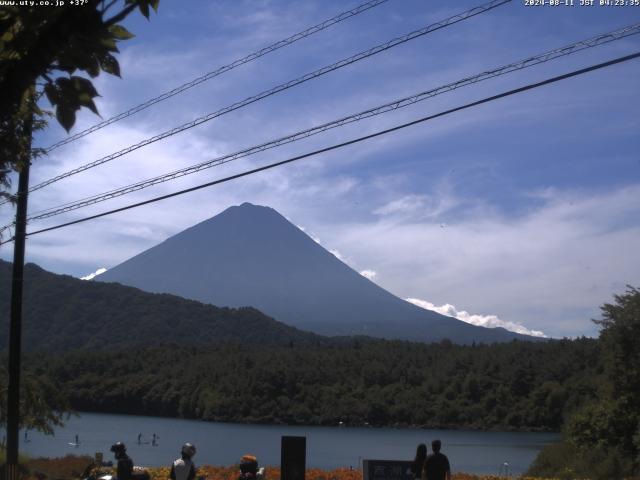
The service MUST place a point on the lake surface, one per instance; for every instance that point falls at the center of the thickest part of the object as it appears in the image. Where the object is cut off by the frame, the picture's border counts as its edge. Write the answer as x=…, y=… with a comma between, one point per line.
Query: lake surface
x=327, y=447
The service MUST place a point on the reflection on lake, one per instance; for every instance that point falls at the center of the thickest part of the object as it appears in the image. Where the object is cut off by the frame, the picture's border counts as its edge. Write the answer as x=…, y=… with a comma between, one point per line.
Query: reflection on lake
x=327, y=447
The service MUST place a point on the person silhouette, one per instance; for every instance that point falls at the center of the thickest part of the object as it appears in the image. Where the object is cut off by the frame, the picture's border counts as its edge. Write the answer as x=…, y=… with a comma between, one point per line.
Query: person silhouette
x=436, y=466
x=418, y=462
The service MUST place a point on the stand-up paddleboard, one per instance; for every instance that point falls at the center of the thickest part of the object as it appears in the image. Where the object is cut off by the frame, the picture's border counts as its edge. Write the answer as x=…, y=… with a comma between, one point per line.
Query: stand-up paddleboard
x=73, y=444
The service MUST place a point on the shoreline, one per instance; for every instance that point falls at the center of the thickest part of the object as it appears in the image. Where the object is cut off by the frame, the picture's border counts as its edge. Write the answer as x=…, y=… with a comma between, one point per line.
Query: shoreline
x=328, y=447
x=396, y=426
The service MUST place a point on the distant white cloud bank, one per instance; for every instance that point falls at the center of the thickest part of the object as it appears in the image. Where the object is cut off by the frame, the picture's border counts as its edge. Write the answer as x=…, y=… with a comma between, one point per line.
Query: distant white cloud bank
x=91, y=276
x=489, y=321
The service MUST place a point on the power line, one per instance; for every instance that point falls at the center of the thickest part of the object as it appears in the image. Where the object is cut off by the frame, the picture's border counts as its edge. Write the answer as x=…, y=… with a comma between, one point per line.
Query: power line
x=350, y=142
x=219, y=71
x=381, y=109
x=284, y=86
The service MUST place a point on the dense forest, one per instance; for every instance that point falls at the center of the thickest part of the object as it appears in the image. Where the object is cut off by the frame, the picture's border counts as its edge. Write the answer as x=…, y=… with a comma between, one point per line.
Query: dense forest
x=519, y=385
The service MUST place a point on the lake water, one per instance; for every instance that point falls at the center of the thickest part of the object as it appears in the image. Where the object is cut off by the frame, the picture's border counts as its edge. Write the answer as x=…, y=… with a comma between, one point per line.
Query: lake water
x=327, y=447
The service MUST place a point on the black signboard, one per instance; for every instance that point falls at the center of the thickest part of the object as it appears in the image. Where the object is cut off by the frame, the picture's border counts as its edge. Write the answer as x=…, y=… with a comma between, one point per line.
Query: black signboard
x=293, y=458
x=386, y=470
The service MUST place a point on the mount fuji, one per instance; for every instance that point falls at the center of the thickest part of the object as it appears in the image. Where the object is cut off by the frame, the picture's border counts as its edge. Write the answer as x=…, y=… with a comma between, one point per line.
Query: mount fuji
x=250, y=255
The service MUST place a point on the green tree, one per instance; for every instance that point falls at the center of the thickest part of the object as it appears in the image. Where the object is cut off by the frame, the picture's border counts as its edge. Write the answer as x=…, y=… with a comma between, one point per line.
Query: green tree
x=43, y=404
x=620, y=337
x=605, y=433
x=42, y=50
x=51, y=52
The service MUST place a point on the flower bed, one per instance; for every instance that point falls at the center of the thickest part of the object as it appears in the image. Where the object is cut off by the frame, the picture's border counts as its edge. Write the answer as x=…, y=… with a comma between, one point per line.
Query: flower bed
x=72, y=467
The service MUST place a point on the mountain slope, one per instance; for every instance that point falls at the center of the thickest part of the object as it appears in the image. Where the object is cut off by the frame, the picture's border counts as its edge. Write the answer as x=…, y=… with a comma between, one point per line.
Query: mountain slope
x=62, y=313
x=251, y=255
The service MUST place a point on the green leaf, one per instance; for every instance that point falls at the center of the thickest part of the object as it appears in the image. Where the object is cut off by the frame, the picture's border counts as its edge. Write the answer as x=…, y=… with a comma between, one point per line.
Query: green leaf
x=84, y=86
x=120, y=33
x=144, y=8
x=110, y=43
x=52, y=93
x=67, y=68
x=109, y=64
x=86, y=101
x=83, y=59
x=63, y=83
x=66, y=115
x=93, y=68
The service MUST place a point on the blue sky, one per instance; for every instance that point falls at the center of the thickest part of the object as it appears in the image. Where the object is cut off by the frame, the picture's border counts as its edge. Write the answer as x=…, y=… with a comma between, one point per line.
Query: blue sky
x=523, y=211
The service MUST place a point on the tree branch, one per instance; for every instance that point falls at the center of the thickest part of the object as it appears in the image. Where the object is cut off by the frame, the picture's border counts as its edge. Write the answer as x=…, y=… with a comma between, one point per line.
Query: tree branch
x=108, y=6
x=120, y=16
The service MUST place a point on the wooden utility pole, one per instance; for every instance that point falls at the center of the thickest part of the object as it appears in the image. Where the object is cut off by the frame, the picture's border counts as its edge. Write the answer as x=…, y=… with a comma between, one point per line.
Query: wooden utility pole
x=15, y=329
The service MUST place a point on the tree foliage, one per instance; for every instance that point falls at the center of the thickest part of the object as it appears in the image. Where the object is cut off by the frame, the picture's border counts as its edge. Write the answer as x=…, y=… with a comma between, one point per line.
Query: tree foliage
x=513, y=386
x=43, y=404
x=613, y=421
x=605, y=432
x=565, y=461
x=51, y=52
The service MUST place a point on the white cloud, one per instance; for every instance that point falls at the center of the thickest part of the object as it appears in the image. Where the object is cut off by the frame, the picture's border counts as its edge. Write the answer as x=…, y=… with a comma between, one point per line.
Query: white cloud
x=370, y=274
x=337, y=254
x=489, y=321
x=420, y=206
x=93, y=275
x=406, y=204
x=549, y=267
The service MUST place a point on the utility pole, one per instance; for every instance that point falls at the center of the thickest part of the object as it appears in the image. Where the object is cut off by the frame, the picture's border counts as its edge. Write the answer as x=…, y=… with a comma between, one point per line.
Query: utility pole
x=15, y=329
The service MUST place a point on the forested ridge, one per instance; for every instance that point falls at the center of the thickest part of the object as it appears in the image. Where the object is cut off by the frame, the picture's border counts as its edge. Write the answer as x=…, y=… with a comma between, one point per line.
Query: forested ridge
x=61, y=313
x=516, y=386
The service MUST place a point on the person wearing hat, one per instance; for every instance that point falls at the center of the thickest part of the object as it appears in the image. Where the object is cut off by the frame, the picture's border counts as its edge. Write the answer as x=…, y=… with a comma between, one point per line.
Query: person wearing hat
x=183, y=468
x=249, y=468
x=124, y=470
